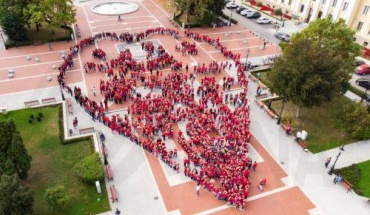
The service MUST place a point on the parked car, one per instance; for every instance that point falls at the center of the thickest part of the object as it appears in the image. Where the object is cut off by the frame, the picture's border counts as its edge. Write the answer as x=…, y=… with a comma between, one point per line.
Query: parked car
x=263, y=20
x=231, y=5
x=363, y=69
x=245, y=12
x=282, y=36
x=359, y=62
x=363, y=82
x=240, y=9
x=254, y=15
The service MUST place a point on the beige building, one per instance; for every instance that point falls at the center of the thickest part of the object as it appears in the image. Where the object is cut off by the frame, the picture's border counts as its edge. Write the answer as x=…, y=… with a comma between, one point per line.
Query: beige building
x=356, y=13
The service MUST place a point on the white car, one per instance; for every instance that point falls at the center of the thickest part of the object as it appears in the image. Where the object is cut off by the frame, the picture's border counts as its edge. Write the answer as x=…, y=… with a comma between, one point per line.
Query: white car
x=245, y=12
x=231, y=5
x=263, y=20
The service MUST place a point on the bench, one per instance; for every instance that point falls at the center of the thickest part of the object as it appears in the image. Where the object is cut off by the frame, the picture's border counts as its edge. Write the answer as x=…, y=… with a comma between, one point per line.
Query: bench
x=113, y=194
x=259, y=103
x=285, y=127
x=262, y=85
x=31, y=103
x=227, y=22
x=48, y=100
x=4, y=110
x=69, y=106
x=103, y=150
x=108, y=173
x=87, y=130
x=270, y=113
x=254, y=79
x=347, y=185
x=302, y=144
x=261, y=96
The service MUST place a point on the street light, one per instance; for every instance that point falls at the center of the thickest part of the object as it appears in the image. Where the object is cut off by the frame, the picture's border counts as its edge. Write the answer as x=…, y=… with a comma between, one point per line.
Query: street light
x=2, y=36
x=231, y=14
x=282, y=21
x=246, y=60
x=331, y=170
x=281, y=112
x=61, y=91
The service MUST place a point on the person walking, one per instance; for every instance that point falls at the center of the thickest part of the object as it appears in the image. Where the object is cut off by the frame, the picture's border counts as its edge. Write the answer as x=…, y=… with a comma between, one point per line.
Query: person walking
x=50, y=48
x=254, y=166
x=93, y=90
x=327, y=162
x=197, y=188
x=75, y=122
x=118, y=212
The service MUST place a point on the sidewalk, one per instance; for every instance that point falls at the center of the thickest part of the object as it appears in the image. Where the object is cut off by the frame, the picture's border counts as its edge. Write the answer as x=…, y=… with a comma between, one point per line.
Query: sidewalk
x=307, y=170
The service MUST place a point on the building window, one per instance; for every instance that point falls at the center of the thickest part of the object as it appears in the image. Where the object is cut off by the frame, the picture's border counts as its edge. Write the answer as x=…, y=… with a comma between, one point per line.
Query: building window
x=334, y=3
x=366, y=9
x=282, y=1
x=302, y=8
x=345, y=6
x=366, y=43
x=323, y=1
x=290, y=2
x=359, y=26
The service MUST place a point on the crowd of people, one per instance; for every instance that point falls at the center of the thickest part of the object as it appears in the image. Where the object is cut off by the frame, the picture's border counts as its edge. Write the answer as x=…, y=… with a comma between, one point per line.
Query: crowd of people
x=216, y=138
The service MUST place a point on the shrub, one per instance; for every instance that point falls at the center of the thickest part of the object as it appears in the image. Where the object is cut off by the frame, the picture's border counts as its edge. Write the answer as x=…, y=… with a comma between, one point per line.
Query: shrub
x=89, y=169
x=56, y=197
x=259, y=4
x=40, y=115
x=278, y=12
x=355, y=120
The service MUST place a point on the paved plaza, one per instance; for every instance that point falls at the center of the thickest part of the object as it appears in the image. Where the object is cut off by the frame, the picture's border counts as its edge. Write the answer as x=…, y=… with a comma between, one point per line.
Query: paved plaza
x=298, y=182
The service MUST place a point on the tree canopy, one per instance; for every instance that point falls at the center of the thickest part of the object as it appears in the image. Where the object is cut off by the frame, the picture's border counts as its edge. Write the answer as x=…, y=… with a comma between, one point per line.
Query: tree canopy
x=13, y=154
x=199, y=8
x=15, y=199
x=314, y=67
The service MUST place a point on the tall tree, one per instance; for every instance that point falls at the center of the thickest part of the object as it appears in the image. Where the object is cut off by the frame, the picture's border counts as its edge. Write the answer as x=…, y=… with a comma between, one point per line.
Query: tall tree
x=15, y=199
x=337, y=36
x=13, y=26
x=18, y=154
x=13, y=154
x=13, y=6
x=309, y=77
x=314, y=67
x=56, y=13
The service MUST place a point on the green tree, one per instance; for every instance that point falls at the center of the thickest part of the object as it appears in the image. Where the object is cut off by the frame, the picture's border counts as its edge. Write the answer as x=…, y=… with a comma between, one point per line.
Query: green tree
x=89, y=169
x=313, y=68
x=56, y=13
x=278, y=12
x=309, y=77
x=13, y=6
x=15, y=199
x=337, y=36
x=18, y=154
x=259, y=4
x=13, y=27
x=56, y=197
x=13, y=154
x=355, y=120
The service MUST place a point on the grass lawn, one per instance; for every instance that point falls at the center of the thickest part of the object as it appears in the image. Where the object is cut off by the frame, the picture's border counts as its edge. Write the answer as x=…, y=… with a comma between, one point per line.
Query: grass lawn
x=319, y=122
x=52, y=163
x=44, y=34
x=359, y=176
x=363, y=185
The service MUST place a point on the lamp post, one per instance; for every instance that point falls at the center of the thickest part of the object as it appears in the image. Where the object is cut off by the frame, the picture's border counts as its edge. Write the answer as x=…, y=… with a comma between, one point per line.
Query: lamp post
x=2, y=37
x=331, y=170
x=281, y=112
x=362, y=98
x=246, y=59
x=231, y=14
x=282, y=21
x=61, y=92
